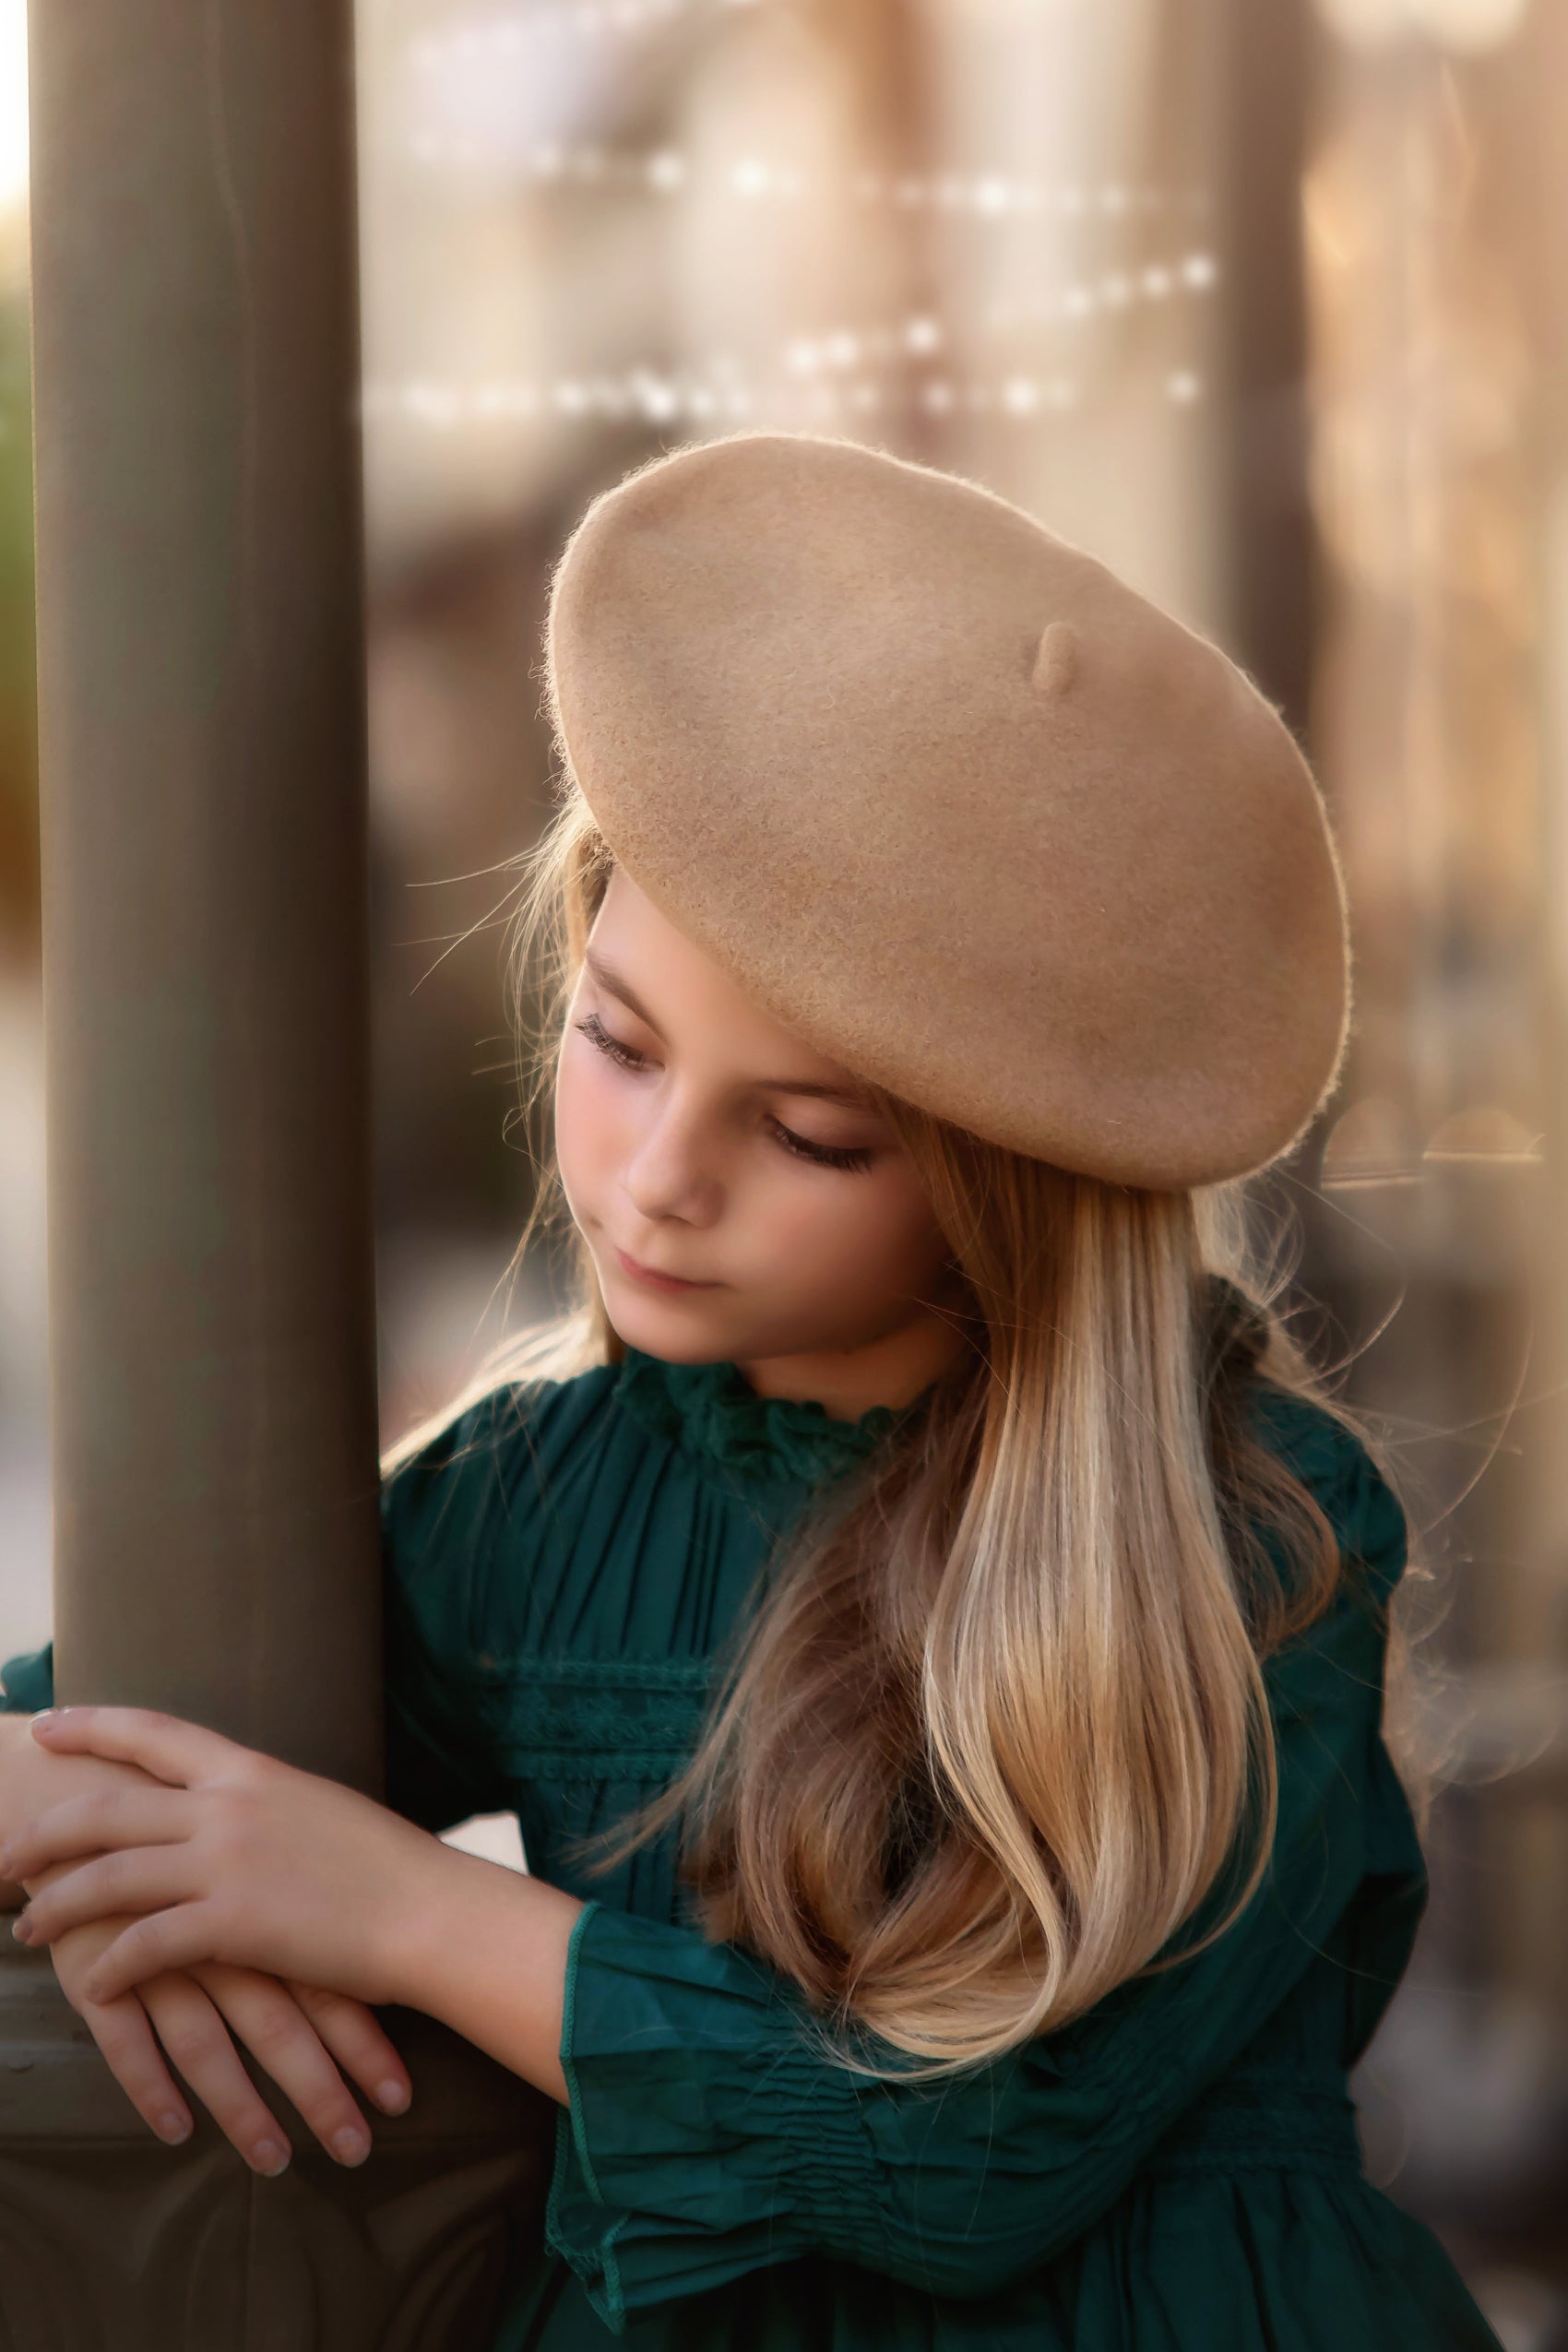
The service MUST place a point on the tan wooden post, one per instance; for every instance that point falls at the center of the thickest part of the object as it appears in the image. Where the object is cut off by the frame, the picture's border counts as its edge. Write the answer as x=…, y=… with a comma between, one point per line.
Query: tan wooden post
x=211, y=1291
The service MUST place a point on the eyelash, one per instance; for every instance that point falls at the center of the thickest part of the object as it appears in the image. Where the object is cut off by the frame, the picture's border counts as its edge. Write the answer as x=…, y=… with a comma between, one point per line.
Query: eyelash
x=819, y=1155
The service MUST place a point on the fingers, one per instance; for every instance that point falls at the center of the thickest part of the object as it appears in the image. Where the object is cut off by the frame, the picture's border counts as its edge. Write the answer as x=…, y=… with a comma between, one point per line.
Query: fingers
x=192, y=2014
x=168, y=1748
x=353, y=2034
x=122, y=2030
x=194, y=2037
x=126, y=1813
x=198, y=2040
x=267, y=2017
x=136, y=1878
x=150, y=1946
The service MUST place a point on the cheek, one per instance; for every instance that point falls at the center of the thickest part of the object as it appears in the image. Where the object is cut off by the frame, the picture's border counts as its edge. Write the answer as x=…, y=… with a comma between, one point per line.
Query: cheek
x=588, y=1121
x=857, y=1234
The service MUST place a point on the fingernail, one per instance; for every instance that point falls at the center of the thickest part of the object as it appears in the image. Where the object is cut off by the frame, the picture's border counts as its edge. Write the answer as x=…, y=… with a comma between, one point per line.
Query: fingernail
x=350, y=2146
x=21, y=1928
x=175, y=2128
x=393, y=2097
x=268, y=2157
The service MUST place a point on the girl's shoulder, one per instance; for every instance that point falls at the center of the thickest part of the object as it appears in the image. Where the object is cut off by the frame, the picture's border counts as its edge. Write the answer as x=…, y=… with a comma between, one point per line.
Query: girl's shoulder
x=478, y=1506
x=483, y=1454
x=1333, y=1462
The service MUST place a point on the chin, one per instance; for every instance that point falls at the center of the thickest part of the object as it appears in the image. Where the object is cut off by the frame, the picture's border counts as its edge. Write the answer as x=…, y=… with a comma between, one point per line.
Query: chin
x=674, y=1334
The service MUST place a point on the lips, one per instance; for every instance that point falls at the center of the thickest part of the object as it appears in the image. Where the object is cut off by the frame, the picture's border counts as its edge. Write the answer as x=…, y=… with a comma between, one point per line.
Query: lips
x=656, y=1274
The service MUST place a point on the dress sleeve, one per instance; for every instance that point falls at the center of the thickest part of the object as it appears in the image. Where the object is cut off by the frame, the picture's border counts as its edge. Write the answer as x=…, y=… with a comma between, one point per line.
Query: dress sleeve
x=449, y=1516
x=704, y=2137
x=27, y=1681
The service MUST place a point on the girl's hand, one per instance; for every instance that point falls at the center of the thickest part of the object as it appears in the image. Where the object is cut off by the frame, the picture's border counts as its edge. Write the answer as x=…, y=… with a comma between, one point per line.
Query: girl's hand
x=291, y=2029
x=227, y=1855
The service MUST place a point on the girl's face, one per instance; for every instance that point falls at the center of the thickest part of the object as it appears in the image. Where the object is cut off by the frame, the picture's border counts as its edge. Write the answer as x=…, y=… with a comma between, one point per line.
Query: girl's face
x=697, y=1137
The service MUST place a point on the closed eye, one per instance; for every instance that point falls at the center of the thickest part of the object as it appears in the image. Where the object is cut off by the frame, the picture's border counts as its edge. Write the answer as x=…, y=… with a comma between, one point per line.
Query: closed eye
x=627, y=1057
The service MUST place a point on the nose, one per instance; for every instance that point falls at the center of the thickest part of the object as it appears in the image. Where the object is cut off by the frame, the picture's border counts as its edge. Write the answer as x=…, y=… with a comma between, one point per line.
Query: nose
x=669, y=1174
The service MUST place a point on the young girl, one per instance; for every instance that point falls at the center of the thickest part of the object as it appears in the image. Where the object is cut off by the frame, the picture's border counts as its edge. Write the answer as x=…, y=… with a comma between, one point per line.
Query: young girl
x=927, y=1615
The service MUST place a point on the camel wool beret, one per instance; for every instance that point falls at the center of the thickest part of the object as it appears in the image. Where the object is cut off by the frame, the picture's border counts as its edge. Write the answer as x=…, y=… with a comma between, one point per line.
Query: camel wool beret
x=956, y=805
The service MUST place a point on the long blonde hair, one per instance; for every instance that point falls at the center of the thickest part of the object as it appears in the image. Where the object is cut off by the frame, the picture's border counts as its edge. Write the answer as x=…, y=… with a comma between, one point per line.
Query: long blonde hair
x=998, y=1723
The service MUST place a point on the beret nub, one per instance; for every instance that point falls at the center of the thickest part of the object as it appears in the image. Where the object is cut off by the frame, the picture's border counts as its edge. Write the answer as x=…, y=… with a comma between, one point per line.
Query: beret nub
x=955, y=803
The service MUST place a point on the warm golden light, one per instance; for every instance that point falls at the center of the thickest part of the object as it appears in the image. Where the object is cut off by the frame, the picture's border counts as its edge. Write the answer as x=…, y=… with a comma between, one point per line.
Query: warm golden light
x=13, y=103
x=1462, y=25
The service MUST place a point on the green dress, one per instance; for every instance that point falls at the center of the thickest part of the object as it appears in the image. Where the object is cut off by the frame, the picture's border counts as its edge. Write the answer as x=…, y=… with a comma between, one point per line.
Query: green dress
x=1178, y=2172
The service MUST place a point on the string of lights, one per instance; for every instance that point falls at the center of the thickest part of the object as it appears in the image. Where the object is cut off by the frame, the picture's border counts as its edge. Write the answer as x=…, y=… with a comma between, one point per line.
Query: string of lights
x=661, y=397
x=1116, y=289
x=987, y=196
x=924, y=336
x=820, y=375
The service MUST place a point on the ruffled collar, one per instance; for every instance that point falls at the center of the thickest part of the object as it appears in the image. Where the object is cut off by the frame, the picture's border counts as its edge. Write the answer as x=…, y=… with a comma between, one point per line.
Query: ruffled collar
x=712, y=1413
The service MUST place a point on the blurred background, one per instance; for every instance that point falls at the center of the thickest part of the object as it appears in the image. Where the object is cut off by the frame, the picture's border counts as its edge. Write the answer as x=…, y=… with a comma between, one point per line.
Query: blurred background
x=1264, y=302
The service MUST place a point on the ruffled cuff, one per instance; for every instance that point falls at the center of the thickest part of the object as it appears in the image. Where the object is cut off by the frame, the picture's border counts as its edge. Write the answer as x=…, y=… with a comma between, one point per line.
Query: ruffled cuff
x=703, y=2138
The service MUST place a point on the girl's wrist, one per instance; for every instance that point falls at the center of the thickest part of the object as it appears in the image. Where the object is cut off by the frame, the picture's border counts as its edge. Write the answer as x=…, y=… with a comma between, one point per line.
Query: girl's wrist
x=426, y=1919
x=464, y=1904
x=483, y=1949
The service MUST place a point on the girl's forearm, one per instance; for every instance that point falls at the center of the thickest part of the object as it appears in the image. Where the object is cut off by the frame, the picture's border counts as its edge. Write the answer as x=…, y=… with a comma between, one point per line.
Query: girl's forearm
x=485, y=1952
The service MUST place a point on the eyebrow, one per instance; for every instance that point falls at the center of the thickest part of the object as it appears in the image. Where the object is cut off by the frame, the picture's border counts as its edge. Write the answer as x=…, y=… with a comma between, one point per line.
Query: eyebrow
x=850, y=1098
